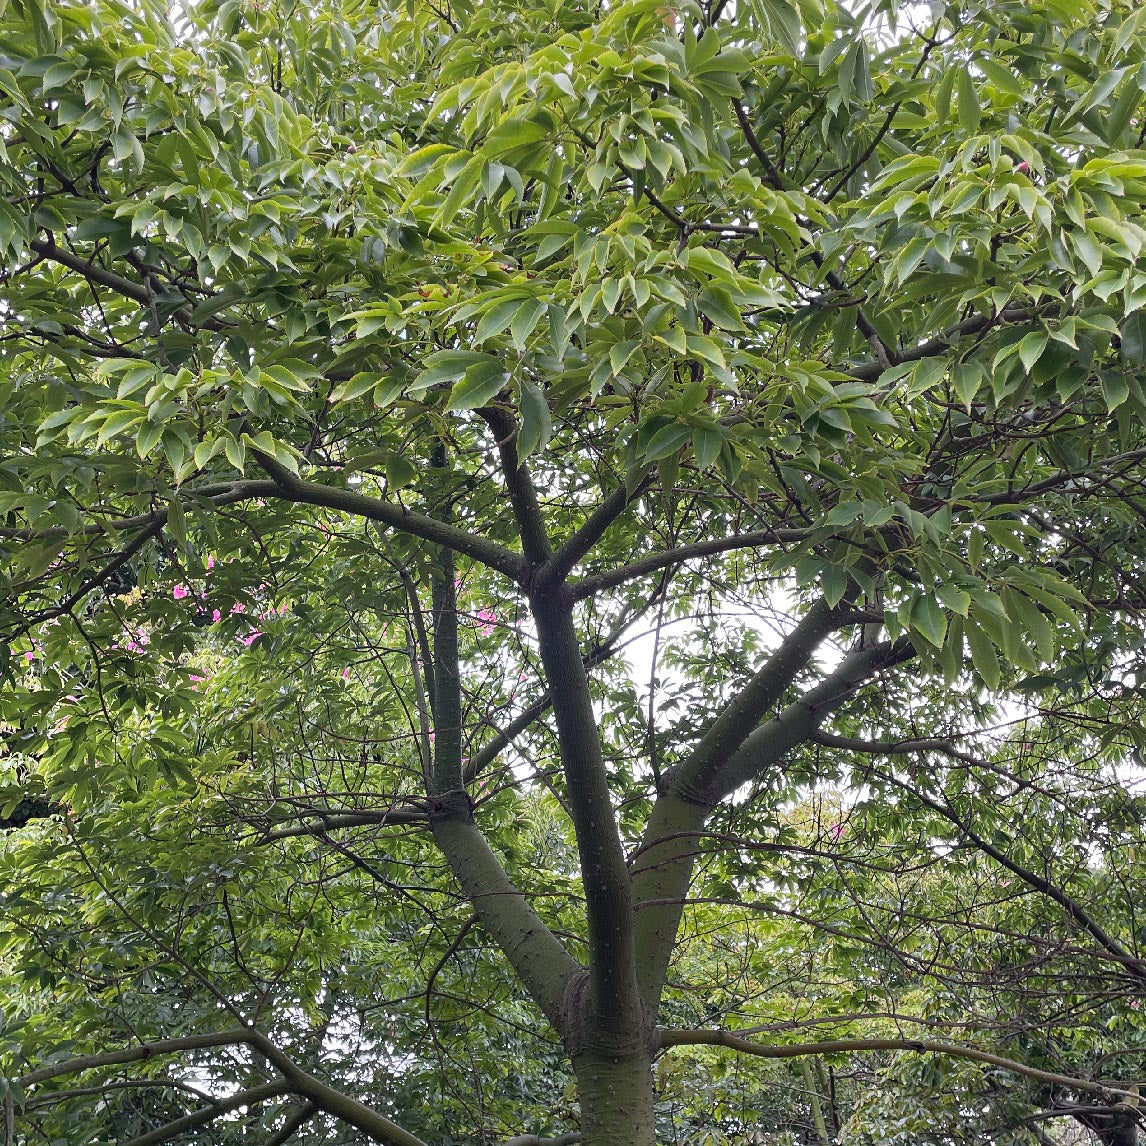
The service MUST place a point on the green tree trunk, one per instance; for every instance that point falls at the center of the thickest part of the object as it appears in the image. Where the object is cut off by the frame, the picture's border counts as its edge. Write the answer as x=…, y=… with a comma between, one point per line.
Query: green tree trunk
x=616, y=1094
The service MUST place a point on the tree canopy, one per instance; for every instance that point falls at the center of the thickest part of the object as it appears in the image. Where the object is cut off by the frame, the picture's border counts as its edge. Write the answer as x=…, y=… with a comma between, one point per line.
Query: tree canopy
x=572, y=571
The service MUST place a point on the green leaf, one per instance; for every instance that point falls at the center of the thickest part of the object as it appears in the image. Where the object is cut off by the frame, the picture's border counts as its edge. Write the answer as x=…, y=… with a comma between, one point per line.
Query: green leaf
x=400, y=472
x=448, y=366
x=929, y=620
x=355, y=386
x=1115, y=389
x=497, y=319
x=706, y=443
x=943, y=92
x=536, y=421
x=1002, y=77
x=966, y=378
x=970, y=111
x=834, y=584
x=424, y=159
x=463, y=187
x=1031, y=348
x=513, y=133
x=716, y=304
x=667, y=440
x=527, y=317
x=147, y=438
x=954, y=598
x=176, y=522
x=782, y=19
x=699, y=346
x=481, y=384
x=983, y=655
x=1132, y=337
x=1033, y=622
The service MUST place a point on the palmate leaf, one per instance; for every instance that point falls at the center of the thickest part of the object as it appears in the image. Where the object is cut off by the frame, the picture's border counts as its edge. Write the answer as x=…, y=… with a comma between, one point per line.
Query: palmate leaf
x=521, y=519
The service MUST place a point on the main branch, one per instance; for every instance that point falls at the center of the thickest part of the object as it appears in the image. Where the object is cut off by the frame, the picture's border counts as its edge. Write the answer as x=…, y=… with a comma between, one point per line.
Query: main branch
x=676, y=1038
x=734, y=754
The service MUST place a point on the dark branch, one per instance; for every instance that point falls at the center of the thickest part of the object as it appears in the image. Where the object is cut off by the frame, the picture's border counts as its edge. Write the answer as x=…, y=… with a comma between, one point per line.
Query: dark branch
x=293, y=488
x=654, y=562
x=562, y=563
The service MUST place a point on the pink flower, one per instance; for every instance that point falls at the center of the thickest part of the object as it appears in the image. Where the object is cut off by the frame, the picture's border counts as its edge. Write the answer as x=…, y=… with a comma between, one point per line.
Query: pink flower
x=837, y=831
x=179, y=592
x=29, y=656
x=216, y=616
x=210, y=562
x=345, y=673
x=238, y=607
x=251, y=637
x=486, y=619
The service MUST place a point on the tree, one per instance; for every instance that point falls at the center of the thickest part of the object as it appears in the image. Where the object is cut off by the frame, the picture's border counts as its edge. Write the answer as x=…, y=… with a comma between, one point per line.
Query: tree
x=373, y=376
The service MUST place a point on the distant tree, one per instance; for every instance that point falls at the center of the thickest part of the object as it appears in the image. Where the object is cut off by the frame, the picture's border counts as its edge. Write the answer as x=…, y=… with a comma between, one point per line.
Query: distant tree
x=538, y=535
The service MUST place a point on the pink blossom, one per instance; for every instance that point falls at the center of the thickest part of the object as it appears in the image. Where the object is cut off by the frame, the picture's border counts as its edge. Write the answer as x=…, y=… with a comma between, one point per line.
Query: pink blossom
x=216, y=616
x=251, y=637
x=345, y=673
x=486, y=619
x=238, y=607
x=29, y=655
x=837, y=831
x=210, y=562
x=179, y=592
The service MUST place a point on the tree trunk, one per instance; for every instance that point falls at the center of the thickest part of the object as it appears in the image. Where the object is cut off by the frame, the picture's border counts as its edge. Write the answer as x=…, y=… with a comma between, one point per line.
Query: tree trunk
x=616, y=1094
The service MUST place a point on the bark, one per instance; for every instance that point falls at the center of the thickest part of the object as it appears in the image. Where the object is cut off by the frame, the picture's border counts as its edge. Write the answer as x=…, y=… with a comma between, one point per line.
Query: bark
x=663, y=867
x=662, y=870
x=616, y=1093
x=614, y=1003
x=538, y=956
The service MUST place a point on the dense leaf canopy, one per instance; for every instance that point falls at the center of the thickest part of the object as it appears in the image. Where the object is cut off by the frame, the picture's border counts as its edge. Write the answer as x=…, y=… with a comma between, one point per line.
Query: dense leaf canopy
x=572, y=569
